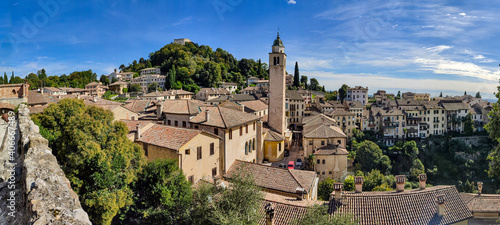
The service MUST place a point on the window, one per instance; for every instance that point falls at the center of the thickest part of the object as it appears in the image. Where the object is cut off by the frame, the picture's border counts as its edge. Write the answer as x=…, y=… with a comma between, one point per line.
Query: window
x=146, y=149
x=198, y=153
x=183, y=123
x=254, y=124
x=187, y=152
x=196, y=127
x=310, y=142
x=241, y=130
x=216, y=131
x=323, y=161
x=322, y=142
x=253, y=144
x=176, y=123
x=246, y=148
x=323, y=173
x=230, y=134
x=212, y=148
x=191, y=179
x=214, y=171
x=279, y=147
x=246, y=128
x=329, y=172
x=169, y=122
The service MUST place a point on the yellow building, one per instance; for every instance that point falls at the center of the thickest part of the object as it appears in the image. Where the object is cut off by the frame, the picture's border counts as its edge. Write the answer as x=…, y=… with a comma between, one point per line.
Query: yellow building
x=331, y=161
x=274, y=146
x=197, y=152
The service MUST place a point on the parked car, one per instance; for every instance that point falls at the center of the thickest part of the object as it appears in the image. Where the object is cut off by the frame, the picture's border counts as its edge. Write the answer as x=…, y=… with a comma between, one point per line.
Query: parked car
x=291, y=165
x=281, y=165
x=287, y=153
x=299, y=162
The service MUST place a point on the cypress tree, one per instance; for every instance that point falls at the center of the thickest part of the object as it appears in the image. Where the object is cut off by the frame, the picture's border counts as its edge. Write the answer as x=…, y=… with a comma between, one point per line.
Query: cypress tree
x=296, y=76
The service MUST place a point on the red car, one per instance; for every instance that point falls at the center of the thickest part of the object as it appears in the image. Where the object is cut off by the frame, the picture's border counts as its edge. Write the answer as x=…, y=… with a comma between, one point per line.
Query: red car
x=291, y=165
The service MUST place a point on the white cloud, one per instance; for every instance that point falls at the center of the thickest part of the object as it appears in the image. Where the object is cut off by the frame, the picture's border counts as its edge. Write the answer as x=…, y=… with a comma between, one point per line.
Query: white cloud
x=312, y=63
x=466, y=69
x=438, y=49
x=185, y=20
x=293, y=2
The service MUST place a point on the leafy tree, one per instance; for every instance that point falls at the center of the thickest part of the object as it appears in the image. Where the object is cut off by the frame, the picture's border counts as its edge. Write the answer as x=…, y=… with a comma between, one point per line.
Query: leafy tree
x=349, y=183
x=369, y=156
x=296, y=76
x=237, y=204
x=135, y=88
x=382, y=187
x=376, y=179
x=163, y=195
x=95, y=154
x=407, y=152
x=325, y=188
x=314, y=84
x=210, y=74
x=318, y=215
x=148, y=64
x=416, y=169
x=493, y=128
x=41, y=74
x=478, y=95
x=33, y=80
x=104, y=79
x=468, y=124
x=303, y=80
x=331, y=96
x=153, y=87
x=343, y=92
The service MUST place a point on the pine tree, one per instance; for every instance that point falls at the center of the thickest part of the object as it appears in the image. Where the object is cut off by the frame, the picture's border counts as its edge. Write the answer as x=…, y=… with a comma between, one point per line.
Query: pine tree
x=441, y=94
x=465, y=93
x=11, y=78
x=478, y=95
x=296, y=76
x=5, y=78
x=259, y=70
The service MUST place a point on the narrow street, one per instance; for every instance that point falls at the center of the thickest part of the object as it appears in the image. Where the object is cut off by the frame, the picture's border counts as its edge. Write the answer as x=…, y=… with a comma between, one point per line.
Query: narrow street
x=295, y=153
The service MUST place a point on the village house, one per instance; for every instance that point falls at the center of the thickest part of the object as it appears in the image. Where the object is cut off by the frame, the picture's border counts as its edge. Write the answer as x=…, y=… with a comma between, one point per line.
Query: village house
x=237, y=129
x=416, y=96
x=122, y=76
x=231, y=87
x=256, y=107
x=206, y=94
x=53, y=91
x=455, y=112
x=145, y=80
x=182, y=94
x=358, y=93
x=117, y=87
x=294, y=108
x=346, y=120
x=96, y=89
x=197, y=152
x=150, y=71
x=252, y=80
x=319, y=131
x=178, y=112
x=331, y=161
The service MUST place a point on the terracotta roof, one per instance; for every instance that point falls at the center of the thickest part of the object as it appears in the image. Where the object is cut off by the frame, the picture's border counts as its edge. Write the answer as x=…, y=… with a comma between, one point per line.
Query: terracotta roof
x=211, y=91
x=454, y=106
x=408, y=207
x=484, y=203
x=325, y=131
x=140, y=106
x=235, y=97
x=254, y=106
x=331, y=150
x=318, y=119
x=7, y=106
x=35, y=98
x=284, y=214
x=118, y=83
x=37, y=109
x=223, y=117
x=273, y=136
x=92, y=84
x=89, y=100
x=182, y=106
x=180, y=92
x=168, y=136
x=293, y=95
x=275, y=178
x=52, y=89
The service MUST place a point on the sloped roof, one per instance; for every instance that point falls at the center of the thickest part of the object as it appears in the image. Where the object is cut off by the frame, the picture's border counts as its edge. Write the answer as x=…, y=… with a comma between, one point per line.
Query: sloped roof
x=325, y=131
x=140, y=106
x=273, y=136
x=254, y=106
x=235, y=97
x=284, y=214
x=275, y=178
x=118, y=83
x=181, y=106
x=331, y=150
x=223, y=117
x=318, y=119
x=35, y=98
x=454, y=106
x=212, y=91
x=181, y=92
x=168, y=136
x=293, y=95
x=484, y=203
x=409, y=207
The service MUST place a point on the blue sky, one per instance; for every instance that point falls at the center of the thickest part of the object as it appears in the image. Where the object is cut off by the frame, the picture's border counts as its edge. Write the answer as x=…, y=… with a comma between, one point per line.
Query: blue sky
x=419, y=46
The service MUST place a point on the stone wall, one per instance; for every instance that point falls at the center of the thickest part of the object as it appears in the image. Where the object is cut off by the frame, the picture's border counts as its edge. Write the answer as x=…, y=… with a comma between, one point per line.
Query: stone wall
x=48, y=193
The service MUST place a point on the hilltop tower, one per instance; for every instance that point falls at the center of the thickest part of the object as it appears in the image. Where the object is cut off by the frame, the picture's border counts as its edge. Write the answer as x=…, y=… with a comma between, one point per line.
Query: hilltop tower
x=277, y=75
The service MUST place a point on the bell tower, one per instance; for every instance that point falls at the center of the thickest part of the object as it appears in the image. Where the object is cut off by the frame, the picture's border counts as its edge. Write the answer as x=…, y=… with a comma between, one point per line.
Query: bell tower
x=277, y=75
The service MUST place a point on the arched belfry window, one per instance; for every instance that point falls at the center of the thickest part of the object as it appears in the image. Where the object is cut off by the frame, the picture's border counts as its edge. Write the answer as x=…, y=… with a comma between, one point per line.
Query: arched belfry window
x=278, y=59
x=13, y=91
x=274, y=61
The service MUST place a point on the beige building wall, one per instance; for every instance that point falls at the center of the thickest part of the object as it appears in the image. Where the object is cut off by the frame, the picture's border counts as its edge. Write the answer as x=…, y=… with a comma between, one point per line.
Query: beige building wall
x=274, y=151
x=332, y=166
x=436, y=120
x=347, y=123
x=121, y=113
x=189, y=163
x=310, y=144
x=178, y=119
x=294, y=111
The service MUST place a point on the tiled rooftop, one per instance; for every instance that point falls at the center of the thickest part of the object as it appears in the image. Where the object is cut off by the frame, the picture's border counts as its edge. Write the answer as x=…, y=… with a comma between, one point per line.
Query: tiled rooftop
x=223, y=117
x=182, y=106
x=254, y=106
x=484, y=203
x=401, y=208
x=275, y=178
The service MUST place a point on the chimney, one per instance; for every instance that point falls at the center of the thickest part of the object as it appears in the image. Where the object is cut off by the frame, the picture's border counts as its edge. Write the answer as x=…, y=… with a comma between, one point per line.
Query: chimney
x=337, y=193
x=116, y=71
x=132, y=118
x=300, y=193
x=159, y=110
x=422, y=178
x=440, y=200
x=400, y=183
x=41, y=90
x=207, y=115
x=479, y=187
x=269, y=213
x=358, y=184
x=138, y=132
